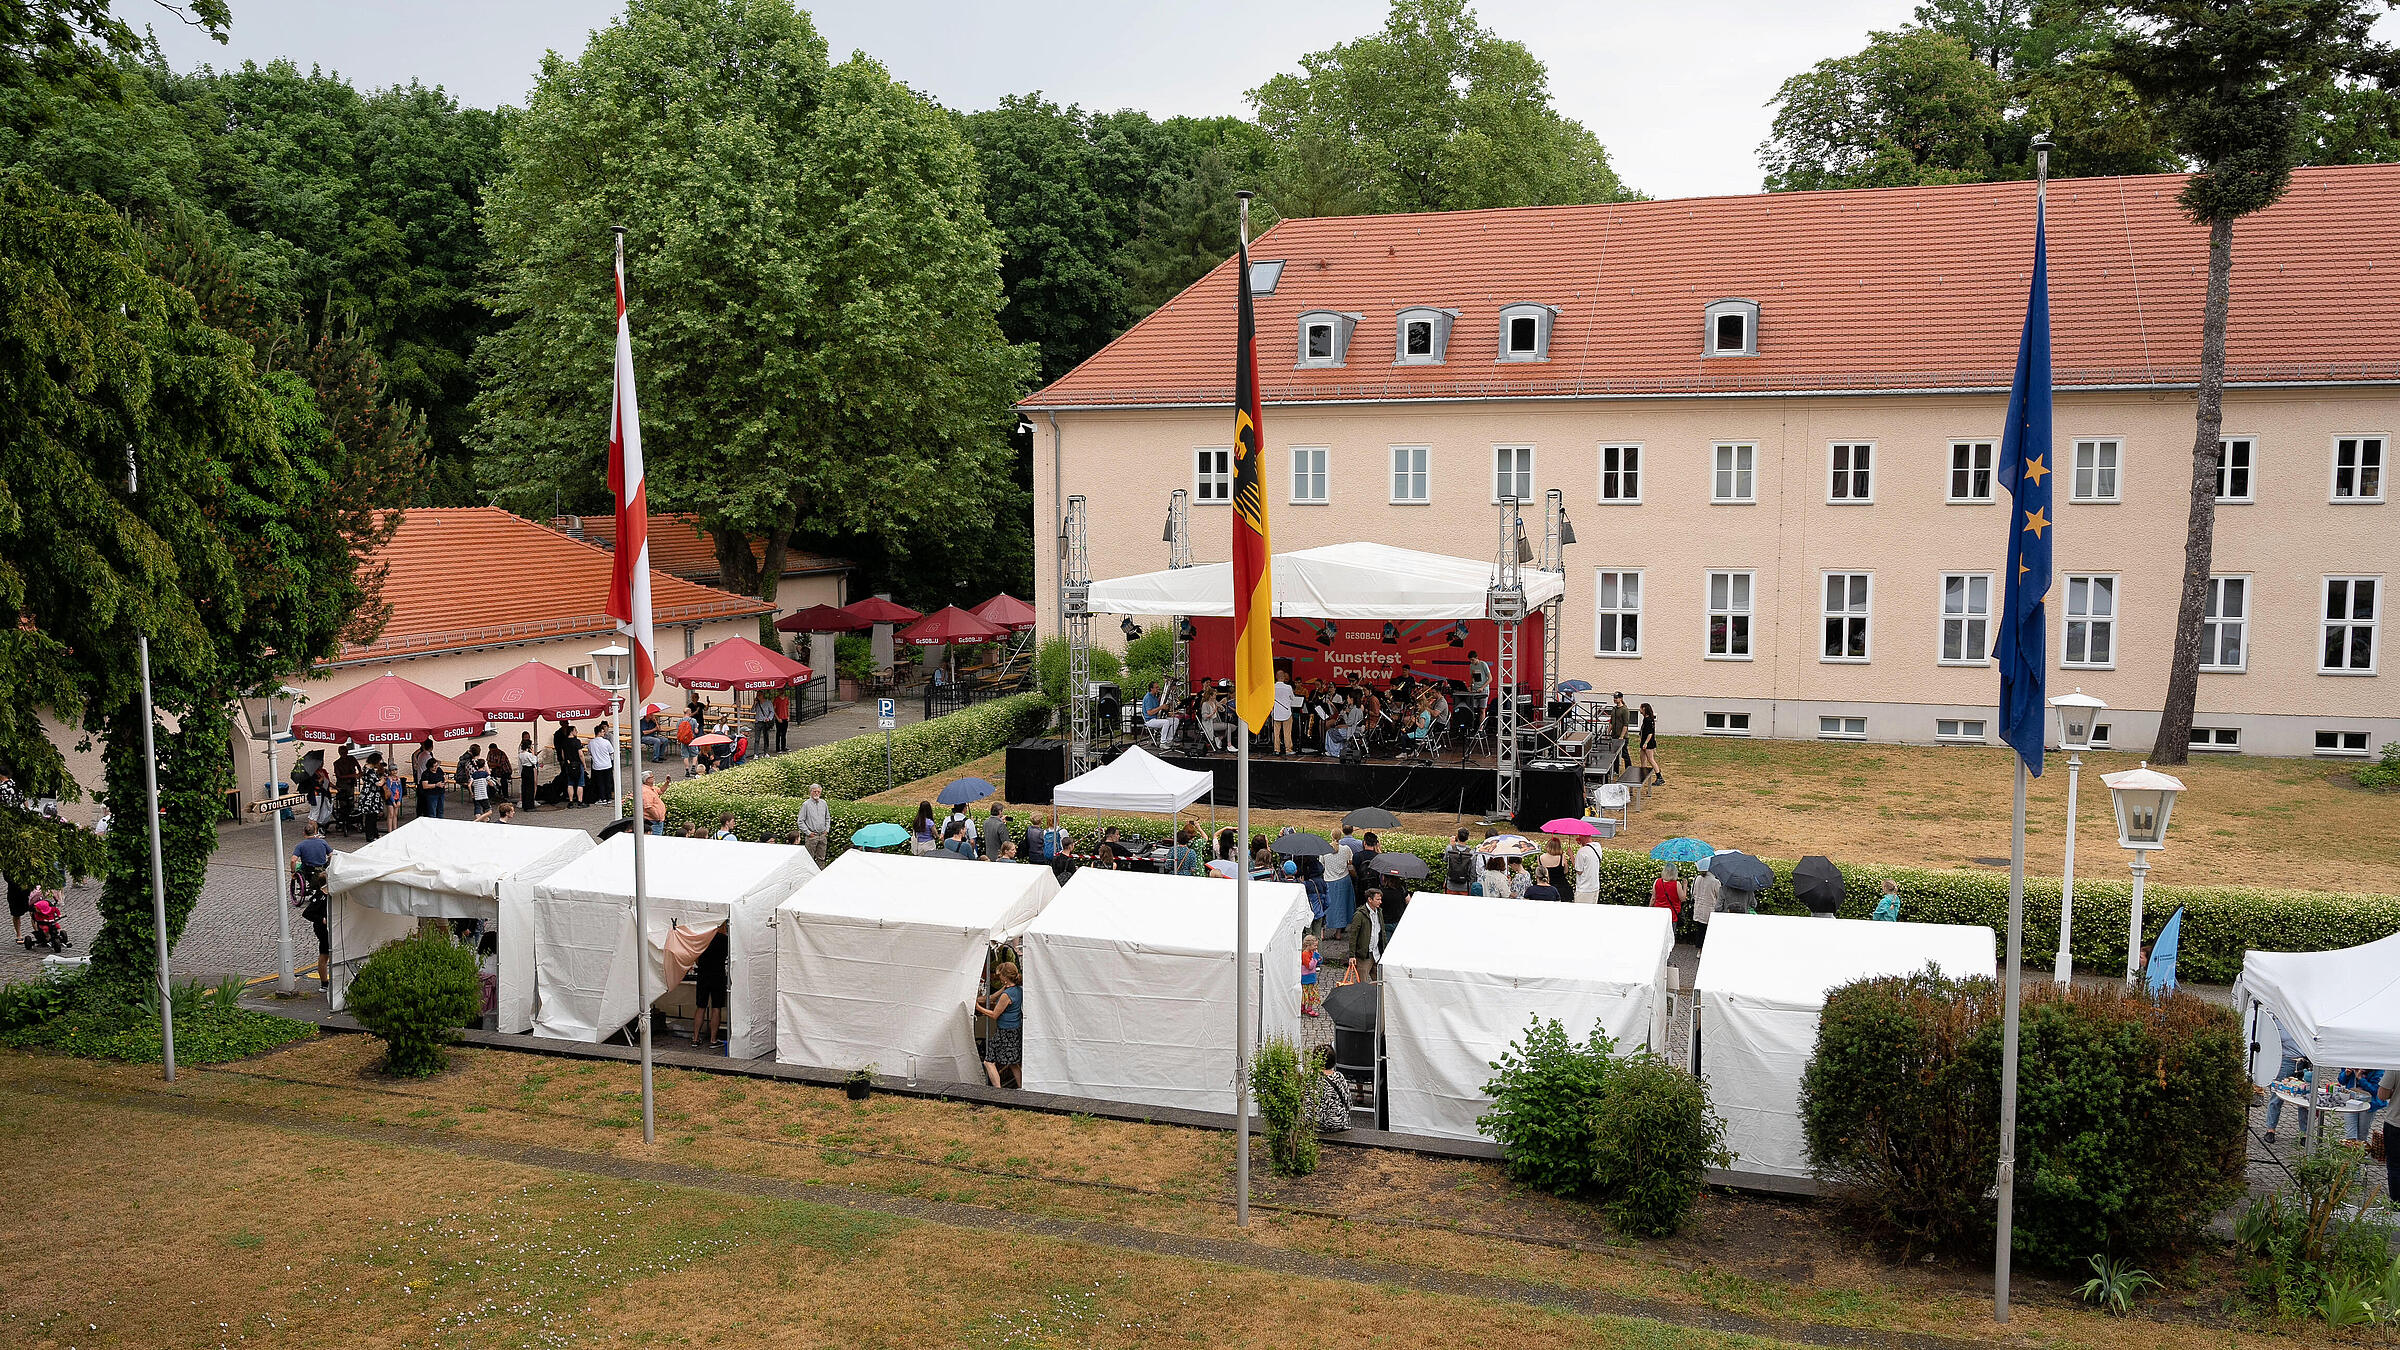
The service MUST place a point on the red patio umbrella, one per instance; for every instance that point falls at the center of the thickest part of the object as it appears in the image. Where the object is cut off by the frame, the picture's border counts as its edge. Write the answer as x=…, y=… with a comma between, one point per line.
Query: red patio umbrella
x=534, y=691
x=1007, y=611
x=736, y=664
x=387, y=710
x=823, y=619
x=947, y=627
x=875, y=609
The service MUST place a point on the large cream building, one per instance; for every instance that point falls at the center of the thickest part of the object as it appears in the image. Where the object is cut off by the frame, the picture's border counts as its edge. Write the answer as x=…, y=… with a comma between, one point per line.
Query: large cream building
x=1773, y=419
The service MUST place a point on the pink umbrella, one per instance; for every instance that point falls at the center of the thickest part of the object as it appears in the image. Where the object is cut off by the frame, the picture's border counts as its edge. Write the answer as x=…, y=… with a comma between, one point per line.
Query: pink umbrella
x=947, y=627
x=714, y=738
x=1570, y=825
x=736, y=664
x=387, y=710
x=1007, y=611
x=535, y=691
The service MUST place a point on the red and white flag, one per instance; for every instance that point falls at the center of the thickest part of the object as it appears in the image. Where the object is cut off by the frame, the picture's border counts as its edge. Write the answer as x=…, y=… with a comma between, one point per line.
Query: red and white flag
x=629, y=579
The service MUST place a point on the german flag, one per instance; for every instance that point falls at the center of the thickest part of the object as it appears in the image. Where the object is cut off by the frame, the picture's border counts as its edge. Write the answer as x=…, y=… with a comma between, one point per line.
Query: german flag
x=1253, y=582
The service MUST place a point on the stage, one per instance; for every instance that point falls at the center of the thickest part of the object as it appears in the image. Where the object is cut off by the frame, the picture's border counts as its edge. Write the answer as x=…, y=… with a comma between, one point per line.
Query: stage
x=1315, y=783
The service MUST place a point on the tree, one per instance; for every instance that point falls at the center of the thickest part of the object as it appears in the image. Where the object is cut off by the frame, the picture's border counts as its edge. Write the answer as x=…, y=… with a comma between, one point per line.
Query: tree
x=811, y=281
x=1435, y=113
x=77, y=43
x=1915, y=107
x=2229, y=85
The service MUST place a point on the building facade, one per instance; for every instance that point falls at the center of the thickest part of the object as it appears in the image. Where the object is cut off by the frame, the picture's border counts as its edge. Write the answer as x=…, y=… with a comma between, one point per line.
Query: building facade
x=1773, y=421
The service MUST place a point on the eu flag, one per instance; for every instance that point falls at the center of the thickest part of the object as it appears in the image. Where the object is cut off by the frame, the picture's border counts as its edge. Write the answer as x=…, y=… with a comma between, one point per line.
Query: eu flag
x=2023, y=645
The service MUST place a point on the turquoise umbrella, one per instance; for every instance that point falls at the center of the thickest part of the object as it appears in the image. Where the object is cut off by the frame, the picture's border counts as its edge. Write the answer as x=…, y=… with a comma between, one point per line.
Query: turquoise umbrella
x=879, y=835
x=1682, y=849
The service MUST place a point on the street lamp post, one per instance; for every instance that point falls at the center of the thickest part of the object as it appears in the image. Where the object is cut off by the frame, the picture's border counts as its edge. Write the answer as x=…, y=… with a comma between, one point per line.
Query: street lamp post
x=2144, y=799
x=612, y=678
x=2076, y=715
x=269, y=713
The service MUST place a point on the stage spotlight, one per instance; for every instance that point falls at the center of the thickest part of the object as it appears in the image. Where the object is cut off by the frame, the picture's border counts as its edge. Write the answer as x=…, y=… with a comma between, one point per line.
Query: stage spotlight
x=1185, y=630
x=1458, y=634
x=1391, y=634
x=1524, y=549
x=1131, y=629
x=1326, y=633
x=1167, y=536
x=1566, y=529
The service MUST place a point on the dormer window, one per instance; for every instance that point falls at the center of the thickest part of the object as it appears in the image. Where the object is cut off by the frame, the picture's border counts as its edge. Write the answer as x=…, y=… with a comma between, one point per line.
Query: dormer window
x=1325, y=337
x=1422, y=336
x=1732, y=329
x=1525, y=332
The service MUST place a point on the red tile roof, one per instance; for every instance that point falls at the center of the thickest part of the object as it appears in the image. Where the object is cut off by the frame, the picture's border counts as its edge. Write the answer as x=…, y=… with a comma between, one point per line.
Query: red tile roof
x=1896, y=288
x=679, y=547
x=476, y=576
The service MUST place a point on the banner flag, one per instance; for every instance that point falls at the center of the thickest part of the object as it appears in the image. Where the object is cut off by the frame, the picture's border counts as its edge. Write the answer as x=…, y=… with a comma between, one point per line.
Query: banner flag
x=629, y=573
x=1253, y=575
x=2022, y=645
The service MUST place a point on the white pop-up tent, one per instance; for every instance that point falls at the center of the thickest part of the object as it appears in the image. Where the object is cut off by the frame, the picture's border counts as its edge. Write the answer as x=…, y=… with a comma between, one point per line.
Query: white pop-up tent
x=1129, y=986
x=446, y=869
x=1135, y=781
x=2341, y=1008
x=880, y=957
x=1463, y=976
x=586, y=948
x=1338, y=581
x=1762, y=983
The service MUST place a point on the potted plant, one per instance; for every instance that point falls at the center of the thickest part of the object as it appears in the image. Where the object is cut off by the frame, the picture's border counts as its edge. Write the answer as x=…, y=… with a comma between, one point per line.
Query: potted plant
x=853, y=666
x=860, y=1082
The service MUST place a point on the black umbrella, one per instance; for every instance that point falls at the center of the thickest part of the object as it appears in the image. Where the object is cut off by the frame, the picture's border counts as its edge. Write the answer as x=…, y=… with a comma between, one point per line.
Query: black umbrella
x=1352, y=1006
x=1818, y=884
x=1741, y=872
x=1371, y=818
x=1405, y=865
x=1302, y=845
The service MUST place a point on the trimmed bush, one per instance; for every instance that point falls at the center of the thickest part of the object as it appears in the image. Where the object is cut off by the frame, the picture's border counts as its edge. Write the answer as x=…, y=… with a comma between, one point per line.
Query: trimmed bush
x=93, y=1019
x=2384, y=774
x=1279, y=1077
x=1543, y=1093
x=1653, y=1137
x=2130, y=1115
x=853, y=768
x=1050, y=669
x=415, y=994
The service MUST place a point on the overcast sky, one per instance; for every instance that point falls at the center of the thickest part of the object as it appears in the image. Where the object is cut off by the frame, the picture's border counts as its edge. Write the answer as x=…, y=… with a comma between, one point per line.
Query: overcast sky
x=1677, y=92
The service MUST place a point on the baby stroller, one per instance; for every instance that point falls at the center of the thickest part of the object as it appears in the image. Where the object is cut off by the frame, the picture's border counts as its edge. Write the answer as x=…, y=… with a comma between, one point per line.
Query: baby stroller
x=48, y=931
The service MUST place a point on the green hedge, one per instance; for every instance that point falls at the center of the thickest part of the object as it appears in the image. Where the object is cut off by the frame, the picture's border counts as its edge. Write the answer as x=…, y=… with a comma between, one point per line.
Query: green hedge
x=854, y=768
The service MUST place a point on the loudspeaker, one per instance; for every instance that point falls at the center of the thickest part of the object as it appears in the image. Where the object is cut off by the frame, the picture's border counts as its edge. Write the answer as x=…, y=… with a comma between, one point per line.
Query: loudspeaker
x=1035, y=769
x=1547, y=791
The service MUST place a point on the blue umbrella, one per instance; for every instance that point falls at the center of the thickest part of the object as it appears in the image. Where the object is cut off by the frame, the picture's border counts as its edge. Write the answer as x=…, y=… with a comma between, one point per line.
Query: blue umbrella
x=879, y=835
x=963, y=791
x=2160, y=976
x=1574, y=686
x=1682, y=849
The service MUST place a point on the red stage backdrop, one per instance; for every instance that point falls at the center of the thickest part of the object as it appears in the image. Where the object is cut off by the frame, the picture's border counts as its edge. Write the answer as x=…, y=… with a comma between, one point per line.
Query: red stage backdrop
x=1332, y=649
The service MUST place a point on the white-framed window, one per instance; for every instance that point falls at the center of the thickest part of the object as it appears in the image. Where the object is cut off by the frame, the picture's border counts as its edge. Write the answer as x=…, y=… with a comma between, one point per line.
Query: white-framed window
x=1411, y=481
x=1732, y=328
x=1958, y=728
x=1512, y=472
x=1724, y=724
x=2236, y=458
x=2099, y=735
x=1971, y=471
x=585, y=672
x=1848, y=480
x=469, y=686
x=1617, y=613
x=2221, y=740
x=1849, y=600
x=1729, y=615
x=2351, y=606
x=1309, y=483
x=1421, y=336
x=1212, y=474
x=2091, y=622
x=2342, y=743
x=2358, y=468
x=1325, y=337
x=1735, y=478
x=1621, y=474
x=1525, y=332
x=2225, y=625
x=1842, y=728
x=2096, y=470
x=1966, y=618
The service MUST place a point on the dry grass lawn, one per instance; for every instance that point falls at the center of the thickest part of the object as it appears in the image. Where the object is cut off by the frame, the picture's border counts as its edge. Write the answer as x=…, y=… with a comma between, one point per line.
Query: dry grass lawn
x=2243, y=820
x=162, y=1228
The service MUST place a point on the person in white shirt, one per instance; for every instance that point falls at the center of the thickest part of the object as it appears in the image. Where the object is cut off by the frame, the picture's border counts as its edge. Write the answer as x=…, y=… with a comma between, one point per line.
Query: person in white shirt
x=1283, y=714
x=602, y=749
x=1587, y=874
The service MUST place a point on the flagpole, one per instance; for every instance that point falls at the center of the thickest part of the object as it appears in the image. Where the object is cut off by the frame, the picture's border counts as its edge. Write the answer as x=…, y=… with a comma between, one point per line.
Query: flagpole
x=2007, y=1188
x=1241, y=888
x=641, y=827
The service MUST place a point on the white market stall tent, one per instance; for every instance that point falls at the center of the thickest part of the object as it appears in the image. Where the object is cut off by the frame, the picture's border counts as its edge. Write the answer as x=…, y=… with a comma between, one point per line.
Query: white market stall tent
x=1135, y=781
x=586, y=948
x=431, y=868
x=1129, y=986
x=2342, y=1008
x=1338, y=581
x=1762, y=984
x=880, y=957
x=1463, y=976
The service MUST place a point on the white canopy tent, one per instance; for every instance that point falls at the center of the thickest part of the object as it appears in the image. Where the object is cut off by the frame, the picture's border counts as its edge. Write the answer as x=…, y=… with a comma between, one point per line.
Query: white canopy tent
x=1463, y=976
x=1136, y=781
x=446, y=869
x=1762, y=983
x=586, y=947
x=1129, y=986
x=880, y=957
x=2342, y=1008
x=1338, y=581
